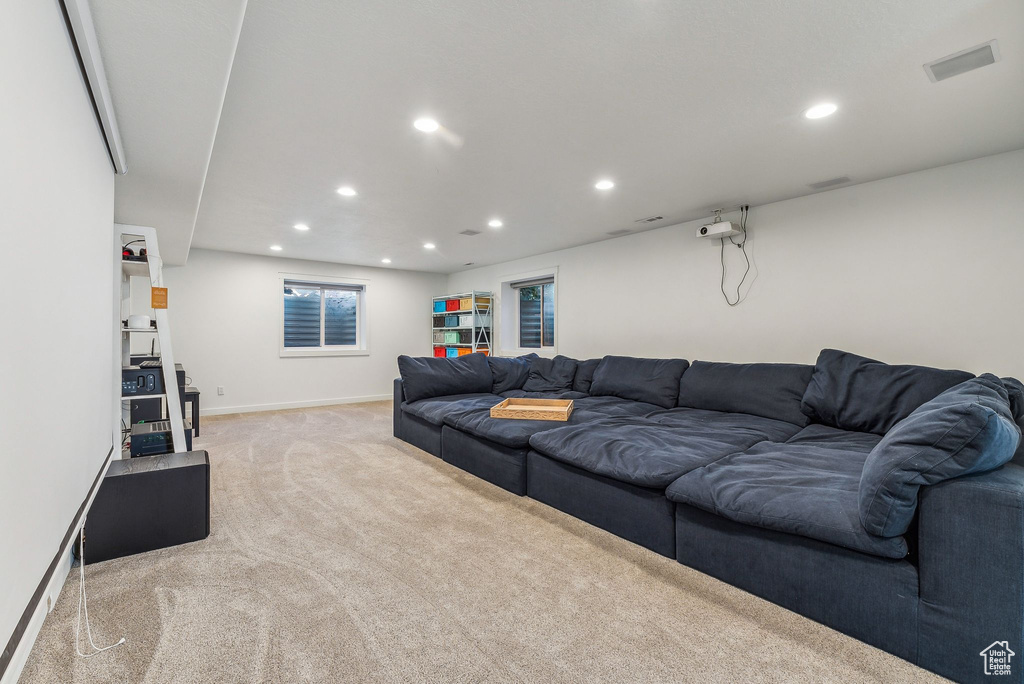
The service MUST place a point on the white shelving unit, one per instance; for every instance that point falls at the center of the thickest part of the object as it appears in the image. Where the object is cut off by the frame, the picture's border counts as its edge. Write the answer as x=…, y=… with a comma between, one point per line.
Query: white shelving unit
x=475, y=320
x=152, y=269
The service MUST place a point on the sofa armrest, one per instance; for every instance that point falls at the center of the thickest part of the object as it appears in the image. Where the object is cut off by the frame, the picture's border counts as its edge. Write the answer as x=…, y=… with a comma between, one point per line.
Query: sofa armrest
x=399, y=390
x=971, y=565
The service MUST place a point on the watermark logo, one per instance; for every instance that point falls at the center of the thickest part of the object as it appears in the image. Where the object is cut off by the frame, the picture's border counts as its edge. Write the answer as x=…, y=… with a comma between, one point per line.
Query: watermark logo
x=997, y=658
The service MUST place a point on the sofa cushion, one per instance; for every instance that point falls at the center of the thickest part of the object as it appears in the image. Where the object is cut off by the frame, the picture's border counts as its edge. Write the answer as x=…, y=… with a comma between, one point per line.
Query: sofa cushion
x=523, y=394
x=852, y=392
x=550, y=375
x=771, y=390
x=425, y=377
x=516, y=433
x=655, y=381
x=649, y=453
x=434, y=409
x=966, y=429
x=1015, y=391
x=807, y=486
x=584, y=375
x=509, y=374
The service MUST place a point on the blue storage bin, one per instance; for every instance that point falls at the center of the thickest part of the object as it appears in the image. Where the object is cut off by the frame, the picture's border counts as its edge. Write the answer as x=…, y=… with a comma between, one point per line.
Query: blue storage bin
x=452, y=351
x=451, y=321
x=439, y=307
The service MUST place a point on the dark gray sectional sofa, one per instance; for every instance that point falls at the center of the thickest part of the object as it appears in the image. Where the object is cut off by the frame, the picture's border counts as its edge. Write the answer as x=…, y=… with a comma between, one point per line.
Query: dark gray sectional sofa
x=884, y=501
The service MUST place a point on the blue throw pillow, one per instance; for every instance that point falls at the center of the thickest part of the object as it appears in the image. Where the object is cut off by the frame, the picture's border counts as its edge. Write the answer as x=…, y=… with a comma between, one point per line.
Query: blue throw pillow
x=966, y=429
x=584, y=375
x=769, y=390
x=509, y=374
x=425, y=377
x=655, y=381
x=855, y=393
x=551, y=375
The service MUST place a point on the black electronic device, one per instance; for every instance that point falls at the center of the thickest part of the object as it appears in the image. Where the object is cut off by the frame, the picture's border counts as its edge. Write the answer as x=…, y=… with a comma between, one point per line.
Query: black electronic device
x=153, y=438
x=149, y=503
x=146, y=409
x=141, y=380
x=149, y=439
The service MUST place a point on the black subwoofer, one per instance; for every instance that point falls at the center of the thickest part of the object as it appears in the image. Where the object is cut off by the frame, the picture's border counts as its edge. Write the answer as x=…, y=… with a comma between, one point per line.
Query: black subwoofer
x=149, y=503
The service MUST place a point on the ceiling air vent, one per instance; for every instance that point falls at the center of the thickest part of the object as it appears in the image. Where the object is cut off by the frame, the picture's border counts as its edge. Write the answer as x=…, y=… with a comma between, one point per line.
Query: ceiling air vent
x=469, y=263
x=470, y=231
x=650, y=219
x=963, y=61
x=617, y=233
x=830, y=183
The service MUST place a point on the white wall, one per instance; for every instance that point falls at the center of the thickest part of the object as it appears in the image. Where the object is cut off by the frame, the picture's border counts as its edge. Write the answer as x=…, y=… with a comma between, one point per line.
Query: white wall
x=925, y=268
x=57, y=277
x=225, y=312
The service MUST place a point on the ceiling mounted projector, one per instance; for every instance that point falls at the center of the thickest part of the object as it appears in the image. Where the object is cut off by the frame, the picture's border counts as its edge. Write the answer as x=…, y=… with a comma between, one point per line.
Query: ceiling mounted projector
x=719, y=229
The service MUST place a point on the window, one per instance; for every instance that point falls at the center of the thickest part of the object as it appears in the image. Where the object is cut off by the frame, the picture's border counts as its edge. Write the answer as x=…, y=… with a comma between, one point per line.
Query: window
x=322, y=318
x=536, y=299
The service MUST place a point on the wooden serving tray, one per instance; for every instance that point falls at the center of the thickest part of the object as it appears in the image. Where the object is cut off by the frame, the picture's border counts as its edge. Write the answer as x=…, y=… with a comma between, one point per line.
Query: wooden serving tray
x=533, y=409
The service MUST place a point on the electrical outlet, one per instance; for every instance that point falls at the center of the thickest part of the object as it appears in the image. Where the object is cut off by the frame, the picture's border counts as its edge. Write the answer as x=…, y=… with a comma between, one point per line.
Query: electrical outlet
x=220, y=390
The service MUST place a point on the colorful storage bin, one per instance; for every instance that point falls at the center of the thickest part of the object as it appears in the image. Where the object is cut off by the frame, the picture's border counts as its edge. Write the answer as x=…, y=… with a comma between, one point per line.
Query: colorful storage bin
x=482, y=321
x=466, y=304
x=451, y=305
x=438, y=337
x=465, y=350
x=438, y=321
x=451, y=321
x=452, y=351
x=451, y=337
x=439, y=306
x=439, y=351
x=465, y=336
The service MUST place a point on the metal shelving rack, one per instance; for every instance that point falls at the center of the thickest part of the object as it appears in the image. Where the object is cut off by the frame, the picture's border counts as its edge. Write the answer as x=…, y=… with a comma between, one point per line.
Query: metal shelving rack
x=152, y=269
x=482, y=307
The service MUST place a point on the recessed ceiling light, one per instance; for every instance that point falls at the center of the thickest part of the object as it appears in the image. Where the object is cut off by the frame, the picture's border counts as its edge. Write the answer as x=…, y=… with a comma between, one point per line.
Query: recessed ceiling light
x=604, y=184
x=347, y=191
x=426, y=125
x=495, y=223
x=820, y=111
x=301, y=226
x=385, y=261
x=429, y=245
x=276, y=248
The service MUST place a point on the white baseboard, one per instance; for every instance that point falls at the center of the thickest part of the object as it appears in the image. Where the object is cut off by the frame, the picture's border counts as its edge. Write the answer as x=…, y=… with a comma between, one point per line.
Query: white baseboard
x=35, y=624
x=254, y=408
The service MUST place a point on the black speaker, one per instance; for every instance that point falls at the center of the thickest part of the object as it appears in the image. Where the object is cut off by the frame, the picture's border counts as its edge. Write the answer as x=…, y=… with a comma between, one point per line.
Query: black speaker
x=148, y=503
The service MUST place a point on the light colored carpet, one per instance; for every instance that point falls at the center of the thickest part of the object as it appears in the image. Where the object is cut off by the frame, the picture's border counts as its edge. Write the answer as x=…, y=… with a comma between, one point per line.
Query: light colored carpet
x=339, y=554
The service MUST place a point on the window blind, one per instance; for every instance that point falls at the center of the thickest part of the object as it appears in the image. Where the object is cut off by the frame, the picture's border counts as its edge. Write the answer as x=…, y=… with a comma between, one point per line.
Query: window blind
x=536, y=312
x=532, y=282
x=320, y=314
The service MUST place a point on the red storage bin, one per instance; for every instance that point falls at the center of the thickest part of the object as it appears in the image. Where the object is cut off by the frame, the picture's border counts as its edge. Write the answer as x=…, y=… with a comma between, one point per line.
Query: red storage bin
x=439, y=351
x=451, y=305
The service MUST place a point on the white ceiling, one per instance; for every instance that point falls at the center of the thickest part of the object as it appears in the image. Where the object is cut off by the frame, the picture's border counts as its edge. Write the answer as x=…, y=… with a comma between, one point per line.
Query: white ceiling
x=167, y=64
x=687, y=105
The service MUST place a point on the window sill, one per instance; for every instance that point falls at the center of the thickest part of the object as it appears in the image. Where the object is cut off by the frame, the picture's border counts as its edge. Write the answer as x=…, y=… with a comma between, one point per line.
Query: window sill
x=299, y=351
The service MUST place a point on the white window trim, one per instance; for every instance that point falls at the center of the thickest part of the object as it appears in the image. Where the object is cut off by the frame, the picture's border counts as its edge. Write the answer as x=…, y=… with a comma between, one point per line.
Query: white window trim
x=512, y=321
x=362, y=348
